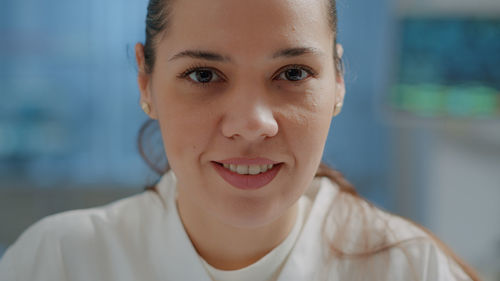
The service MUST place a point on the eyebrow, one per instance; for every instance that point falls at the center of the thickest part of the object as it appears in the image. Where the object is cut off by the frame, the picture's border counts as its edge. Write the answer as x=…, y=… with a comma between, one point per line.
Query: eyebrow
x=198, y=54
x=296, y=52
x=212, y=56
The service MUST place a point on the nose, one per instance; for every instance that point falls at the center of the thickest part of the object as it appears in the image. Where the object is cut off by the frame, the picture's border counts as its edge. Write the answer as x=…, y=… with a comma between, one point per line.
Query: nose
x=250, y=117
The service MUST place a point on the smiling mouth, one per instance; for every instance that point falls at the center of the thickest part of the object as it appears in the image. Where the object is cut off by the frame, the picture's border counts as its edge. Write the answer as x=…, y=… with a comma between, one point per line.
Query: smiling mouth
x=247, y=177
x=247, y=169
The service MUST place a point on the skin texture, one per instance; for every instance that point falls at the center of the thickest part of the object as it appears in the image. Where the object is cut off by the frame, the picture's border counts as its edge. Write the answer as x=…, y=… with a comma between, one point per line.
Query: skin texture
x=250, y=111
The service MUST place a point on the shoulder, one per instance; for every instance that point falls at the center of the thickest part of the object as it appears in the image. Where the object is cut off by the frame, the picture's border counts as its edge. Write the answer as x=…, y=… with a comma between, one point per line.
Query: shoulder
x=90, y=221
x=375, y=244
x=422, y=259
x=45, y=246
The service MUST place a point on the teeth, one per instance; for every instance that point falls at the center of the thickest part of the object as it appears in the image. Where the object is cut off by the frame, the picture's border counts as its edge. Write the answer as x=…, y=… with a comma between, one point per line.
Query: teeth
x=253, y=169
x=242, y=169
x=232, y=168
x=248, y=169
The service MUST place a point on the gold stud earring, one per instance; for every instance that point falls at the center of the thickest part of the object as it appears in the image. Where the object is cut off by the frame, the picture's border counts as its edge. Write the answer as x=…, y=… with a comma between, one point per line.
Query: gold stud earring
x=146, y=107
x=337, y=109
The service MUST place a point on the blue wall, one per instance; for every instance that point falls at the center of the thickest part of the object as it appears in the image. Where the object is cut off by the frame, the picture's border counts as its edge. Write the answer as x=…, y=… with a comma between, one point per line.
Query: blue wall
x=67, y=73
x=359, y=142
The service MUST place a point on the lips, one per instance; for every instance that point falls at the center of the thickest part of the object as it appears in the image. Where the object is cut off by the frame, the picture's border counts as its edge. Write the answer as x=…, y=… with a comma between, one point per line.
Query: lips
x=247, y=182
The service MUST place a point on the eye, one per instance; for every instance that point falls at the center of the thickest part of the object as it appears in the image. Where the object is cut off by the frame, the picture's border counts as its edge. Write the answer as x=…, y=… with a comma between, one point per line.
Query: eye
x=295, y=73
x=202, y=75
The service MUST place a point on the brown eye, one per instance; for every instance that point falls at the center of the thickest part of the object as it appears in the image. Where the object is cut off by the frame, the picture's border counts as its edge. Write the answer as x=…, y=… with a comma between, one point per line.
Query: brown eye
x=294, y=74
x=203, y=76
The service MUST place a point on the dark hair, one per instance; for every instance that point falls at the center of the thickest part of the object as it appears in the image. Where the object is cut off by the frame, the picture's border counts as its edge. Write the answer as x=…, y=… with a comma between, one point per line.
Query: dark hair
x=151, y=148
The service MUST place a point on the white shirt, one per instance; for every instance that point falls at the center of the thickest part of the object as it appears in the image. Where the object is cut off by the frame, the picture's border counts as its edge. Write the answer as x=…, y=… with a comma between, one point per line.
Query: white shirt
x=142, y=238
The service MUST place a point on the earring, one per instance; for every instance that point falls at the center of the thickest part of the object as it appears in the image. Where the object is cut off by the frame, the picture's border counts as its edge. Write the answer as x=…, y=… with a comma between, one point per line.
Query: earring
x=337, y=109
x=145, y=106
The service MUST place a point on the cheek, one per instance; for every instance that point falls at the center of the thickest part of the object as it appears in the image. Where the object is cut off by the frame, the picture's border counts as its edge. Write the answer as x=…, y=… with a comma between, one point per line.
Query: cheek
x=306, y=124
x=185, y=130
x=311, y=112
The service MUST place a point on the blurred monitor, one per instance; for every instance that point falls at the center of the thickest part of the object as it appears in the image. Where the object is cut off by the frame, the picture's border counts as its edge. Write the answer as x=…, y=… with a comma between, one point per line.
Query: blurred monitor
x=448, y=67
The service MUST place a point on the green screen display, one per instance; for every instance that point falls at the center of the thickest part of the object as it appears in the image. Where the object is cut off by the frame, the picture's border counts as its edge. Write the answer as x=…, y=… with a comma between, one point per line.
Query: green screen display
x=448, y=67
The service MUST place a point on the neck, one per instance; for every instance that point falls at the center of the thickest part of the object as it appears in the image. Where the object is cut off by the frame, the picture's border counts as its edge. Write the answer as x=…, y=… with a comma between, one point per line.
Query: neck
x=227, y=247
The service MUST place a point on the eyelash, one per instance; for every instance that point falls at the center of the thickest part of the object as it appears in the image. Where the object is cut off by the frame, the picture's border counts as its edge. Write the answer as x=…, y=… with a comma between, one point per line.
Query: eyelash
x=197, y=67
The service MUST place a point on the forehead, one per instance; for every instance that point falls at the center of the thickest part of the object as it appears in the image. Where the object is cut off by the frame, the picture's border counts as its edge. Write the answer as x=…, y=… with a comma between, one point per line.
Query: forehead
x=249, y=28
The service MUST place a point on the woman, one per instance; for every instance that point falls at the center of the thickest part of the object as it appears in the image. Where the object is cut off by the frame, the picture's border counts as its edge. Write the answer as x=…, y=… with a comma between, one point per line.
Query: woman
x=244, y=93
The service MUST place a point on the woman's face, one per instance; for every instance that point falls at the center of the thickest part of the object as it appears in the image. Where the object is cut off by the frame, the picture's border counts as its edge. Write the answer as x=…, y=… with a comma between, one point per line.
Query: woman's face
x=243, y=80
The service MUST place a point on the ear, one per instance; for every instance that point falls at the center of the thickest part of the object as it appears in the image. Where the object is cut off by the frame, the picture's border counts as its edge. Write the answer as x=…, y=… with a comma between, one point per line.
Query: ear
x=340, y=85
x=144, y=80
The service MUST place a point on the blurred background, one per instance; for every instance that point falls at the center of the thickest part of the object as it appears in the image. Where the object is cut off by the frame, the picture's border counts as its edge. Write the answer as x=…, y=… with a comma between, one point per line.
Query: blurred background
x=419, y=134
